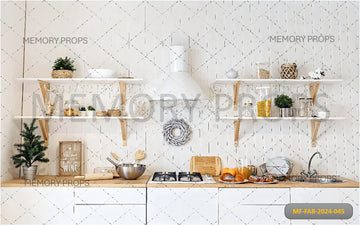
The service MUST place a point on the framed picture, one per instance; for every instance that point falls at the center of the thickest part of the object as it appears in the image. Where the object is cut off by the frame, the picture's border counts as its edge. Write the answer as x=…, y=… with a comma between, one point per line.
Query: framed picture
x=70, y=157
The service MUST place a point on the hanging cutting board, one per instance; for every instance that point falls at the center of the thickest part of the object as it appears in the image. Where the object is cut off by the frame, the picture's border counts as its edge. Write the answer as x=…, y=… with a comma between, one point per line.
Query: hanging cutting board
x=206, y=164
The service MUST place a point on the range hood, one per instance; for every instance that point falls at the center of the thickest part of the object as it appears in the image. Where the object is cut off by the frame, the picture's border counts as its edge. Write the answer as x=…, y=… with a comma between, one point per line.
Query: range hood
x=179, y=85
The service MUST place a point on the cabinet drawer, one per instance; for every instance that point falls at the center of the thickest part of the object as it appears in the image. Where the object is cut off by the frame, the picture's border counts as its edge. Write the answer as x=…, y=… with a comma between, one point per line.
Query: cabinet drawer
x=253, y=214
x=110, y=214
x=248, y=196
x=324, y=195
x=110, y=196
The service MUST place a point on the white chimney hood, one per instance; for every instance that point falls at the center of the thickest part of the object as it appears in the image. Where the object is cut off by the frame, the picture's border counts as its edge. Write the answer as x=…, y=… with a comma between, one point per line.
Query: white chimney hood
x=179, y=84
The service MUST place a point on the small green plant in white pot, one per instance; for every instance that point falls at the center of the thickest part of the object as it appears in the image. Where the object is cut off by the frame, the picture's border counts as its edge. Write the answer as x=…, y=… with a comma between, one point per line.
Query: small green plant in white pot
x=91, y=111
x=284, y=102
x=82, y=111
x=30, y=151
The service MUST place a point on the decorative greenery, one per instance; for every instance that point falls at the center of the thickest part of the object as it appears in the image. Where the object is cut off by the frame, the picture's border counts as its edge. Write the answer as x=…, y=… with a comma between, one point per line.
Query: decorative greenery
x=90, y=108
x=32, y=149
x=64, y=64
x=82, y=109
x=283, y=101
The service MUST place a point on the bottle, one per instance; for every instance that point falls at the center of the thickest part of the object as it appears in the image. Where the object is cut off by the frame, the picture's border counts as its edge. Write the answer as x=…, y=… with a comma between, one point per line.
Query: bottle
x=264, y=103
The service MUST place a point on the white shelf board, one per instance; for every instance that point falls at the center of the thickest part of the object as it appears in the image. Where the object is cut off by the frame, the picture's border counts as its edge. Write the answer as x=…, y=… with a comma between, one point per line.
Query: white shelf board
x=81, y=117
x=277, y=81
x=84, y=80
x=278, y=118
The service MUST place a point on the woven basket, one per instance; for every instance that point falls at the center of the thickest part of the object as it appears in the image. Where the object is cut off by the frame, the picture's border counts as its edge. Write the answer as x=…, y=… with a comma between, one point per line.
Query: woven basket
x=62, y=74
x=289, y=71
x=114, y=112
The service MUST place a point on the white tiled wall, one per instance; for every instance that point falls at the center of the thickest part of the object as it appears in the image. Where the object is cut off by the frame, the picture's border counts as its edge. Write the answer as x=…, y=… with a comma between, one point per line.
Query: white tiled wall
x=12, y=33
x=134, y=38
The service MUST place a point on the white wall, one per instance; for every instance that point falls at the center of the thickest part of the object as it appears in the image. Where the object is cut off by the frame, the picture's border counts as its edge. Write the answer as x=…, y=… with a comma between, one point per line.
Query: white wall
x=134, y=38
x=12, y=33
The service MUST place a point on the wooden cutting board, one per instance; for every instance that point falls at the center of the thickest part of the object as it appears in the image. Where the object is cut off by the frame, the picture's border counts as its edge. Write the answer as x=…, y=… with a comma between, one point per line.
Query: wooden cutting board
x=206, y=164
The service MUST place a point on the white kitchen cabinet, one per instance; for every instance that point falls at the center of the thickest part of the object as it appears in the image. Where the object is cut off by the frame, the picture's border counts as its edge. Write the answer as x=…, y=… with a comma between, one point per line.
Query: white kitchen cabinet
x=110, y=206
x=253, y=205
x=327, y=195
x=182, y=206
x=110, y=214
x=45, y=205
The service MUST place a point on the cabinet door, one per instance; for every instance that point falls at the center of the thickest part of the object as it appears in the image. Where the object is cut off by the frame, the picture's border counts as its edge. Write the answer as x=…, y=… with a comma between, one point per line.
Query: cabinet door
x=253, y=205
x=182, y=206
x=327, y=195
x=253, y=214
x=27, y=205
x=110, y=214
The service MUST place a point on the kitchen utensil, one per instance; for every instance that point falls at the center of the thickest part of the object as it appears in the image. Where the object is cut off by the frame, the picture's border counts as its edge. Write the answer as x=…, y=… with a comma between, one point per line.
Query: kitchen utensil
x=112, y=161
x=130, y=171
x=139, y=155
x=280, y=167
x=116, y=157
x=206, y=165
x=96, y=176
x=101, y=73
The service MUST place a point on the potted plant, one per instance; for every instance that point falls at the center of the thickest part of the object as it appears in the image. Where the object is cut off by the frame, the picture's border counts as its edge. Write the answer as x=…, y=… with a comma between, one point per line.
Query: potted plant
x=91, y=111
x=31, y=150
x=82, y=111
x=284, y=102
x=63, y=68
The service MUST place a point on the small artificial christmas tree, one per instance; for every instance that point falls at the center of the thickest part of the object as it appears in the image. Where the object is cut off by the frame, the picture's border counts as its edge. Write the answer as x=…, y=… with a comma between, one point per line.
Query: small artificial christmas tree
x=31, y=150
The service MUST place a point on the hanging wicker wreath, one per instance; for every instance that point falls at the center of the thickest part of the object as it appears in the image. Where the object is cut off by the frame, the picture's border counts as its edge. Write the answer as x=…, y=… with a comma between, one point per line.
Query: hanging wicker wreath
x=182, y=138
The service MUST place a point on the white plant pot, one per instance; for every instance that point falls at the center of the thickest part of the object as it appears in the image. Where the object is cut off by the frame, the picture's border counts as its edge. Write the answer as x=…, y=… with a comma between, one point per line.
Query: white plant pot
x=91, y=113
x=82, y=113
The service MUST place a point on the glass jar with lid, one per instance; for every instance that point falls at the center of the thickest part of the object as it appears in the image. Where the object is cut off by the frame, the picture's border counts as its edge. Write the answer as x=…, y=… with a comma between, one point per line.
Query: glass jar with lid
x=71, y=108
x=263, y=70
x=302, y=108
x=248, y=109
x=264, y=102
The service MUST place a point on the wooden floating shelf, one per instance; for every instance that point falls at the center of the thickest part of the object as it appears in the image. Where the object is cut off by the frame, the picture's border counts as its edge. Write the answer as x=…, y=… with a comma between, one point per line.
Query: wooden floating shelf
x=315, y=124
x=83, y=80
x=279, y=118
x=45, y=82
x=81, y=117
x=277, y=81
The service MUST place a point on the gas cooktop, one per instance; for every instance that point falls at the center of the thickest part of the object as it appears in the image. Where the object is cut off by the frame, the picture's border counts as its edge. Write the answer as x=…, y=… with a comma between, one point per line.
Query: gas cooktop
x=181, y=177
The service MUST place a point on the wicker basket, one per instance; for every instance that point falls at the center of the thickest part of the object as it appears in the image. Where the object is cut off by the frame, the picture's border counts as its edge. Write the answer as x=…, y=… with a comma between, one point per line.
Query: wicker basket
x=289, y=71
x=114, y=112
x=62, y=74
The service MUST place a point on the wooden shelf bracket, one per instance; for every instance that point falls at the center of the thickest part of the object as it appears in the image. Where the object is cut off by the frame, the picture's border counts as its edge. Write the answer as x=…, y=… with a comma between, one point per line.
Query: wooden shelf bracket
x=122, y=86
x=236, y=87
x=313, y=88
x=123, y=124
x=44, y=125
x=236, y=132
x=315, y=124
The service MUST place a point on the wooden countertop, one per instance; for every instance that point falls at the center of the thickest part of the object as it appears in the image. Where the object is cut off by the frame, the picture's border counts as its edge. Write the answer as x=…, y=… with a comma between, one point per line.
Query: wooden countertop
x=69, y=181
x=280, y=184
